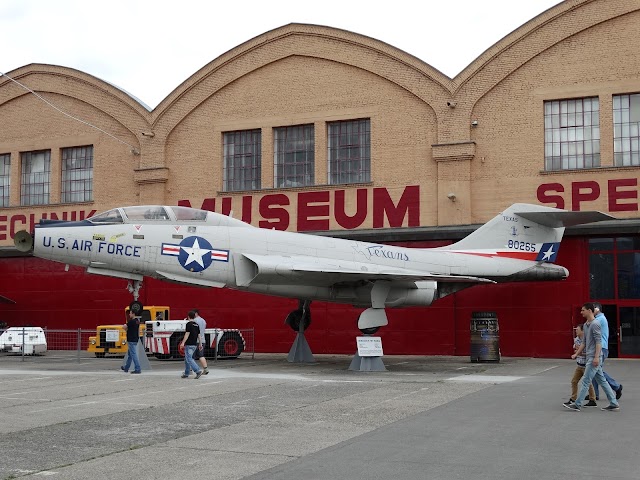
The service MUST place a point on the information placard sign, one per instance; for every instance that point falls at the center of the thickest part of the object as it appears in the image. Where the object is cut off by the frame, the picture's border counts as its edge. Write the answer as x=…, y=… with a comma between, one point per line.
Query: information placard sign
x=369, y=346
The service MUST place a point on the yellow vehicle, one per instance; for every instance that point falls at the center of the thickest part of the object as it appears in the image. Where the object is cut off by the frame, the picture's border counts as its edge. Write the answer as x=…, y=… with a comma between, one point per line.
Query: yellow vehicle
x=113, y=338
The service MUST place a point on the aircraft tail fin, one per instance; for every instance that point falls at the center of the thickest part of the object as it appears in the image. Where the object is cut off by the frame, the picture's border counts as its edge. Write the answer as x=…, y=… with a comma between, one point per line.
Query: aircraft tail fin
x=525, y=231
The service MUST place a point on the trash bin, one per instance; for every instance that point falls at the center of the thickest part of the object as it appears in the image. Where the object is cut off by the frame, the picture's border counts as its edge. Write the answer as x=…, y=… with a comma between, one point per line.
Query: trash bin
x=485, y=337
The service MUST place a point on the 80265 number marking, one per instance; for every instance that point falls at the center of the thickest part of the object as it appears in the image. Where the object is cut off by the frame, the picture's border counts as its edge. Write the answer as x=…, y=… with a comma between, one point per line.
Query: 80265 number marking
x=524, y=246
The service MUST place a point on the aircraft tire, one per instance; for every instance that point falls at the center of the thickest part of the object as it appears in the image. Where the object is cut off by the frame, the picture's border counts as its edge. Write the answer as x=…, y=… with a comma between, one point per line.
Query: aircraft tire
x=295, y=317
x=136, y=307
x=369, y=331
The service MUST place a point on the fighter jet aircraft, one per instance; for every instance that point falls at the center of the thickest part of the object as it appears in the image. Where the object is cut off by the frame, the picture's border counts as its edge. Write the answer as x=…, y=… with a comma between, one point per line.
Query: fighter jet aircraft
x=198, y=247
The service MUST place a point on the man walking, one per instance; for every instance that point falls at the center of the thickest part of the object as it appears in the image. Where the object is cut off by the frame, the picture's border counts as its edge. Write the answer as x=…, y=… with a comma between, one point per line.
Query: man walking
x=592, y=345
x=199, y=353
x=189, y=343
x=133, y=336
x=604, y=327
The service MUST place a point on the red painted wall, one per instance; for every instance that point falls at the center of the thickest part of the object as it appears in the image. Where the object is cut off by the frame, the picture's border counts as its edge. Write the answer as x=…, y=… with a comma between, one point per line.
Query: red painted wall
x=535, y=318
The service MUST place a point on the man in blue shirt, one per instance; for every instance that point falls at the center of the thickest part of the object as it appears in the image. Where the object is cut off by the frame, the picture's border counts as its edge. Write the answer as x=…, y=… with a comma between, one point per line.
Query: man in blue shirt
x=604, y=329
x=592, y=345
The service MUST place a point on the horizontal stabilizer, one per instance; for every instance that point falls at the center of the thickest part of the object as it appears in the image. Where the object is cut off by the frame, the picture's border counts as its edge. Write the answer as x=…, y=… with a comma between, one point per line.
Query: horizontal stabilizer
x=564, y=219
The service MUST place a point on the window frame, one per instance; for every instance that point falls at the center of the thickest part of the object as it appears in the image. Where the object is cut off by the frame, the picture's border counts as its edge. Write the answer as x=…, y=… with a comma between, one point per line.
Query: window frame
x=84, y=155
x=248, y=159
x=349, y=162
x=5, y=179
x=294, y=152
x=572, y=134
x=626, y=131
x=28, y=194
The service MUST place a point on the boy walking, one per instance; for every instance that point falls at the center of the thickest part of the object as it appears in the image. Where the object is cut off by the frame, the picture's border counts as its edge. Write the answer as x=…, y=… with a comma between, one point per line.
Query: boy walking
x=189, y=343
x=581, y=361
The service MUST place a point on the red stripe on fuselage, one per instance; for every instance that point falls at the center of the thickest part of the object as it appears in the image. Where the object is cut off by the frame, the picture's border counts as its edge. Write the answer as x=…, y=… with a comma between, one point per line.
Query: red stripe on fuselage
x=516, y=255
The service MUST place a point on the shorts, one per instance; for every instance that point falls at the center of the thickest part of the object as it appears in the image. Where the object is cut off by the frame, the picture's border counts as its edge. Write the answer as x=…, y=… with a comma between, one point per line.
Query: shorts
x=198, y=353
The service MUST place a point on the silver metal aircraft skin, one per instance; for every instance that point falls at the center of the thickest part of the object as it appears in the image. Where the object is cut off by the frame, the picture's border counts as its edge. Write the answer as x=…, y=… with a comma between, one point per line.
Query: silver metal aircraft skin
x=198, y=247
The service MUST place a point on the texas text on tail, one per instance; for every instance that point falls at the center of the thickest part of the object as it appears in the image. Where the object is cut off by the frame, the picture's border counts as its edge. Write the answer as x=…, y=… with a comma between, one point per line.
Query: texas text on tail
x=198, y=247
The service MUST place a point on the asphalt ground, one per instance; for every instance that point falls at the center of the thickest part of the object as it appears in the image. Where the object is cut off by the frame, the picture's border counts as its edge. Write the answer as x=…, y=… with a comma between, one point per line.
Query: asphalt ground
x=264, y=418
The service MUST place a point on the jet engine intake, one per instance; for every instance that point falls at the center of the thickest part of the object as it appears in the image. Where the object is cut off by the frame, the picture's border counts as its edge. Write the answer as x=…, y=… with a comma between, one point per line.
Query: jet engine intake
x=23, y=241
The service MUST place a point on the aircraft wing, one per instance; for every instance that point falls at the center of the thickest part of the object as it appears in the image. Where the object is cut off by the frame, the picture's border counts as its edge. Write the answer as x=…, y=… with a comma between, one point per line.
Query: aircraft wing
x=328, y=271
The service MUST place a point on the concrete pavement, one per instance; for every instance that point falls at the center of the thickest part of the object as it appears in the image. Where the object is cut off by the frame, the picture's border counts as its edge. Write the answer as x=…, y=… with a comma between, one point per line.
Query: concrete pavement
x=264, y=418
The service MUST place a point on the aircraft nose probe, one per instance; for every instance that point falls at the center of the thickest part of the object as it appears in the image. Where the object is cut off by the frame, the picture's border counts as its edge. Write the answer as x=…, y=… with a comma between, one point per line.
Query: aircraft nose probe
x=23, y=241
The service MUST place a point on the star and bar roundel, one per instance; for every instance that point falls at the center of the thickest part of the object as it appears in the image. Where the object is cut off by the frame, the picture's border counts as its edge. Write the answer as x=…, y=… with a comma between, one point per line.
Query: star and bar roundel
x=195, y=254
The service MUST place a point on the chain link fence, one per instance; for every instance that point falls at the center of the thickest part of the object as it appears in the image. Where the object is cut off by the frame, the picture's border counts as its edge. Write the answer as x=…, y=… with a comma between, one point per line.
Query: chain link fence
x=33, y=343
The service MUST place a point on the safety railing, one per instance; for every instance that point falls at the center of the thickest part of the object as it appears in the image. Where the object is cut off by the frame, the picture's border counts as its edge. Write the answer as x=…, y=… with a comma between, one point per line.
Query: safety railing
x=33, y=343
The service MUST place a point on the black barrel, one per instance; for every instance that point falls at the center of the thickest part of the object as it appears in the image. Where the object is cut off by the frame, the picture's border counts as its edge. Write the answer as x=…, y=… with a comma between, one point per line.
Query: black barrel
x=485, y=337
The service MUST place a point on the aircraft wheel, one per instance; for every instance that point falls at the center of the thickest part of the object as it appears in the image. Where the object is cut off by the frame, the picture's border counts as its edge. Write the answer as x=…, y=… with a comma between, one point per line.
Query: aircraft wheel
x=99, y=354
x=136, y=307
x=369, y=331
x=295, y=318
x=230, y=346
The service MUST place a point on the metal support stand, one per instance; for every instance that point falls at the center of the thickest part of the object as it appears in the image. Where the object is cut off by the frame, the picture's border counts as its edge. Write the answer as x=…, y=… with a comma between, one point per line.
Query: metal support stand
x=367, y=364
x=371, y=347
x=300, y=351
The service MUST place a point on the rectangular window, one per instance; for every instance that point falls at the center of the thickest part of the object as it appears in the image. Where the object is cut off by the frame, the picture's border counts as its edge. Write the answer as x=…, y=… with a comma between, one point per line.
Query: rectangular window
x=77, y=174
x=242, y=160
x=349, y=146
x=5, y=179
x=626, y=130
x=36, y=172
x=572, y=134
x=294, y=156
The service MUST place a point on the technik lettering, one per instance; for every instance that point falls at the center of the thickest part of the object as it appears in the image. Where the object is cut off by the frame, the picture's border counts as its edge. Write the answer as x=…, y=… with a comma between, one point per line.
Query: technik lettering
x=379, y=251
x=91, y=246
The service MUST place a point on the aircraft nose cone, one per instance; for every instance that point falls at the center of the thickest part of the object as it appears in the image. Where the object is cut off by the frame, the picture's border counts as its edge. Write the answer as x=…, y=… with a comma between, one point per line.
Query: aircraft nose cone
x=23, y=241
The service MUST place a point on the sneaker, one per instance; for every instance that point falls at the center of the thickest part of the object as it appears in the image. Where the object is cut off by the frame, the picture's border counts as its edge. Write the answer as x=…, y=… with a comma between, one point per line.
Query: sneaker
x=184, y=375
x=122, y=368
x=572, y=406
x=206, y=371
x=610, y=408
x=619, y=392
x=568, y=402
x=586, y=399
x=136, y=371
x=199, y=374
x=590, y=403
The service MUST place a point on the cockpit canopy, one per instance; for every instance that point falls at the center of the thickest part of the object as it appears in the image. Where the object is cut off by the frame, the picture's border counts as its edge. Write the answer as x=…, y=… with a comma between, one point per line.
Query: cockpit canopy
x=158, y=214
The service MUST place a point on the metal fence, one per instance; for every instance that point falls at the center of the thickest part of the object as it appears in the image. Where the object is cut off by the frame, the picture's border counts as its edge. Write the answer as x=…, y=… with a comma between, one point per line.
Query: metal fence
x=35, y=342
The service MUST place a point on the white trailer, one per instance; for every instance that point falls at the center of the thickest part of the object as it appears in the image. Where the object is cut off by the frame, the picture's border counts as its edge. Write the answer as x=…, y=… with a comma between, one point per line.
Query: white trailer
x=23, y=340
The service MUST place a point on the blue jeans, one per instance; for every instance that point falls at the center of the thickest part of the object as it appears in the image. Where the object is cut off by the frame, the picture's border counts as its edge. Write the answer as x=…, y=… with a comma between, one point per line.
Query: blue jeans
x=594, y=373
x=133, y=355
x=615, y=386
x=189, y=362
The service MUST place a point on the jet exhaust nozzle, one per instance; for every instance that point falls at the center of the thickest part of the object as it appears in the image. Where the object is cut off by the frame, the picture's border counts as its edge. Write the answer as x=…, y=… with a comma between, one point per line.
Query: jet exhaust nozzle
x=23, y=241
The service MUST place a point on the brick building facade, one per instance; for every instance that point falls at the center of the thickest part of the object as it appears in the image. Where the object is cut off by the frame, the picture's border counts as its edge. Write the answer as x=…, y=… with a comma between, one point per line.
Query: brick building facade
x=549, y=115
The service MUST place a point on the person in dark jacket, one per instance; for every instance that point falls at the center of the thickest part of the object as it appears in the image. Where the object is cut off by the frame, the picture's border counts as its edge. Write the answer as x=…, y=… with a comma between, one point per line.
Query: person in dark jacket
x=133, y=337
